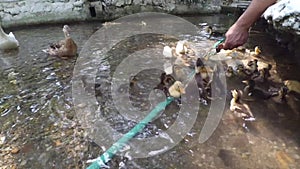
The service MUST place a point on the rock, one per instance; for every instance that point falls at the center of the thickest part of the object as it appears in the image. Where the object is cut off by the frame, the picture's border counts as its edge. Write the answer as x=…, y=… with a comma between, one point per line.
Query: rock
x=2, y=139
x=15, y=150
x=24, y=162
x=285, y=16
x=136, y=2
x=14, y=13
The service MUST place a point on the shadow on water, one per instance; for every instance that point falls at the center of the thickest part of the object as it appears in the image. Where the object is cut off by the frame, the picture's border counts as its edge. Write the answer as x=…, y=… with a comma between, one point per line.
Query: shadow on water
x=39, y=128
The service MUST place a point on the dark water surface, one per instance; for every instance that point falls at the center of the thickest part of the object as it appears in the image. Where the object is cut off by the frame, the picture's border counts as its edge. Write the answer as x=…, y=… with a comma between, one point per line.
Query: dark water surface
x=39, y=127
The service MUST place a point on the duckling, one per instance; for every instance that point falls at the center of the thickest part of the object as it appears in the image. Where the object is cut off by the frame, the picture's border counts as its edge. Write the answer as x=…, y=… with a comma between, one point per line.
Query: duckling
x=166, y=81
x=267, y=70
x=169, y=52
x=262, y=75
x=282, y=92
x=292, y=85
x=177, y=89
x=8, y=41
x=240, y=71
x=215, y=32
x=239, y=109
x=241, y=49
x=204, y=71
x=64, y=48
x=229, y=72
x=133, y=80
x=256, y=51
x=253, y=92
x=181, y=47
x=199, y=81
x=252, y=67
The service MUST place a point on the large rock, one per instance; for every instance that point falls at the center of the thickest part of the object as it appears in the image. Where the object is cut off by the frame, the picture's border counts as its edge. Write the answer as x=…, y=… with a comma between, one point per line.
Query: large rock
x=28, y=12
x=285, y=16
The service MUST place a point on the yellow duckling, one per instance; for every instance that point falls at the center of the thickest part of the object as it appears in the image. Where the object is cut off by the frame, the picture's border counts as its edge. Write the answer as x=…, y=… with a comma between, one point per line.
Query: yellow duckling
x=181, y=47
x=177, y=89
x=256, y=51
x=65, y=48
x=7, y=41
x=292, y=85
x=239, y=109
x=205, y=71
x=169, y=52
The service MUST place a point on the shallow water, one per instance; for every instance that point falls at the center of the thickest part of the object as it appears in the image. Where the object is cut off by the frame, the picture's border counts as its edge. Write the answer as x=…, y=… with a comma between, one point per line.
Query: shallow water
x=38, y=117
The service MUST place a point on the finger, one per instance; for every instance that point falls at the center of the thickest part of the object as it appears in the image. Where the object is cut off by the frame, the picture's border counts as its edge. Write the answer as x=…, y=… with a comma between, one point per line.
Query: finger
x=219, y=47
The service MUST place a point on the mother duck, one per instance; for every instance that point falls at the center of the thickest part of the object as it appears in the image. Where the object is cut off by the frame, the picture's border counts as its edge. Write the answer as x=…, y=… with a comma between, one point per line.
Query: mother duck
x=64, y=48
x=7, y=41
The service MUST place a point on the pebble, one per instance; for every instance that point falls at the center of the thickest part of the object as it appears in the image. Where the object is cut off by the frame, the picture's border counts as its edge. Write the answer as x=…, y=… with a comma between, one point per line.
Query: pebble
x=15, y=150
x=296, y=156
x=12, y=75
x=81, y=105
x=2, y=139
x=24, y=162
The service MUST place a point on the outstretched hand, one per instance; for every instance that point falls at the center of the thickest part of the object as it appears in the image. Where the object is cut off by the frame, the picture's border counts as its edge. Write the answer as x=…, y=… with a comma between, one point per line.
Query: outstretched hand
x=235, y=36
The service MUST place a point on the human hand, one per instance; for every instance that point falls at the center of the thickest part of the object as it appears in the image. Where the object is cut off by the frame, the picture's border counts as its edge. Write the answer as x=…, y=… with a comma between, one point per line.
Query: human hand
x=235, y=36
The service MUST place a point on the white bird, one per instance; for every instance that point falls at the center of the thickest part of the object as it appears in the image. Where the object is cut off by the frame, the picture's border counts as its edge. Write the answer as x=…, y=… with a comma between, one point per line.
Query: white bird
x=7, y=41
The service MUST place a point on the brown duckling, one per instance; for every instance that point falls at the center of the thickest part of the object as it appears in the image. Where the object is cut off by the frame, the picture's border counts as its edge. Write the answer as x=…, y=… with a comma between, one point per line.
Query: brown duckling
x=239, y=109
x=64, y=48
x=166, y=81
x=215, y=31
x=205, y=71
x=282, y=92
x=199, y=81
x=262, y=75
x=177, y=89
x=255, y=93
x=252, y=67
x=229, y=72
x=240, y=71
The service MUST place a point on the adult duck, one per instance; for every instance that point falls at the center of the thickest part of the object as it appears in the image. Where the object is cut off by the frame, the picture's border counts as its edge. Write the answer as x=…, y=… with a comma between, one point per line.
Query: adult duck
x=8, y=41
x=64, y=48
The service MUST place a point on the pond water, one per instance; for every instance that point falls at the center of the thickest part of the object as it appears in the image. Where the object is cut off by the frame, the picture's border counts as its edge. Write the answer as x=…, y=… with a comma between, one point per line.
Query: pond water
x=40, y=129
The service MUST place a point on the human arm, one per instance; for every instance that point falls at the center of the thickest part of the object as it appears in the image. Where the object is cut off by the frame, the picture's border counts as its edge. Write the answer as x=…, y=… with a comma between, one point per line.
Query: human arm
x=238, y=33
